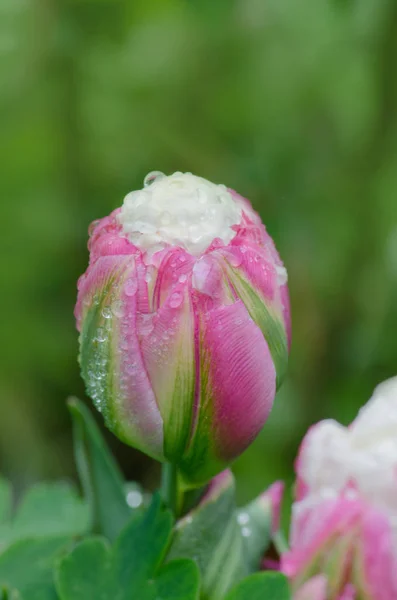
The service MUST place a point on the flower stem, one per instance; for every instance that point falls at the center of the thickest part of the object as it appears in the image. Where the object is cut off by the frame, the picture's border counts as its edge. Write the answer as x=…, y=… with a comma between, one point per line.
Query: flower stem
x=169, y=486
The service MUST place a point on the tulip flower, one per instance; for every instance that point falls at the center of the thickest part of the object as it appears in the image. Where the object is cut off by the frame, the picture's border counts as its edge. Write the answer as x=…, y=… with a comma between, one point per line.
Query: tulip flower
x=344, y=524
x=184, y=322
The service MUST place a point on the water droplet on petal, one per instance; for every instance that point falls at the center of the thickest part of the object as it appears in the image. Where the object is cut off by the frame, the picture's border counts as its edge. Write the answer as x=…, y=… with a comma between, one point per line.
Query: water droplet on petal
x=152, y=177
x=282, y=275
x=145, y=324
x=107, y=312
x=182, y=278
x=243, y=518
x=131, y=287
x=101, y=335
x=175, y=300
x=235, y=259
x=118, y=309
x=93, y=226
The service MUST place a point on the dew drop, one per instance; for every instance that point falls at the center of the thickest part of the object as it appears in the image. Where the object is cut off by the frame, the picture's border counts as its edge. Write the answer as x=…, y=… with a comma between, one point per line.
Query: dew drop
x=282, y=275
x=182, y=278
x=145, y=324
x=107, y=312
x=246, y=531
x=131, y=368
x=131, y=287
x=175, y=300
x=152, y=177
x=243, y=518
x=118, y=309
x=235, y=259
x=149, y=274
x=92, y=227
x=134, y=498
x=101, y=335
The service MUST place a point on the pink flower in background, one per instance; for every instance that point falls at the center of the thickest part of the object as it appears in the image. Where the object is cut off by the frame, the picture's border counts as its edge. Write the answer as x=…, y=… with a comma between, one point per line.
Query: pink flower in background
x=184, y=322
x=344, y=522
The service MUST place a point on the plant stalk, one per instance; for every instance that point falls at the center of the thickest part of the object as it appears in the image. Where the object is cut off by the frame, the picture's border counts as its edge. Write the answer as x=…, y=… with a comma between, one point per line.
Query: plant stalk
x=169, y=486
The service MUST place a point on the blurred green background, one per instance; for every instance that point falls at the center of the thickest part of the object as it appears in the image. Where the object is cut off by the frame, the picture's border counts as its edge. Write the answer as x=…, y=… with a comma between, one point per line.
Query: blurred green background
x=291, y=102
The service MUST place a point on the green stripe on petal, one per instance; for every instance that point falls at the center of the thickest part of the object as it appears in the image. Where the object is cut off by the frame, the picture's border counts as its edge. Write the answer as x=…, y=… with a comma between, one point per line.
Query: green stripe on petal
x=270, y=323
x=200, y=462
x=95, y=351
x=169, y=357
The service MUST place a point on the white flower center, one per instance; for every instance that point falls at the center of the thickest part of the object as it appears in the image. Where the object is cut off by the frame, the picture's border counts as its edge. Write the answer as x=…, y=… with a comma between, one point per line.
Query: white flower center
x=181, y=210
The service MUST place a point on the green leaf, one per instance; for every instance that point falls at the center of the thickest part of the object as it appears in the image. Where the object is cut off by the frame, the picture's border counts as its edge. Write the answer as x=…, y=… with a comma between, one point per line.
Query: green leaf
x=5, y=511
x=178, y=580
x=52, y=509
x=28, y=567
x=5, y=500
x=255, y=521
x=46, y=510
x=94, y=569
x=261, y=586
x=102, y=481
x=87, y=572
x=211, y=536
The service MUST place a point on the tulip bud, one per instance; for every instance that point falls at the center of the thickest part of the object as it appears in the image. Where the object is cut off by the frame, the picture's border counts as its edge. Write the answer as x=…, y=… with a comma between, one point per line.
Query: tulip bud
x=344, y=518
x=184, y=322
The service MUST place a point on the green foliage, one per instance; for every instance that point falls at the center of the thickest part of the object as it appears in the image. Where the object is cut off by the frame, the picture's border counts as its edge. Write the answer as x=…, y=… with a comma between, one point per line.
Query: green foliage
x=226, y=544
x=210, y=535
x=42, y=555
x=27, y=567
x=45, y=523
x=261, y=586
x=46, y=510
x=94, y=570
x=101, y=479
x=255, y=521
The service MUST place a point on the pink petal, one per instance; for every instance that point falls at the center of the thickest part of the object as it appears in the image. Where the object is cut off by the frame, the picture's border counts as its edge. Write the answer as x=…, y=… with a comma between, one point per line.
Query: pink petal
x=242, y=376
x=127, y=397
x=314, y=589
x=315, y=523
x=377, y=559
x=237, y=388
x=349, y=593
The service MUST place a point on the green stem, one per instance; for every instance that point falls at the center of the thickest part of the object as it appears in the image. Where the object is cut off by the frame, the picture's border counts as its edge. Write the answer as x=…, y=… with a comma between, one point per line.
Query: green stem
x=169, y=486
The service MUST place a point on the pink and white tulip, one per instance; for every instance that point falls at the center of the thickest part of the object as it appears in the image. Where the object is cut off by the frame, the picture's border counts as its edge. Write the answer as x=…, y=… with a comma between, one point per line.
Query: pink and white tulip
x=184, y=322
x=344, y=524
